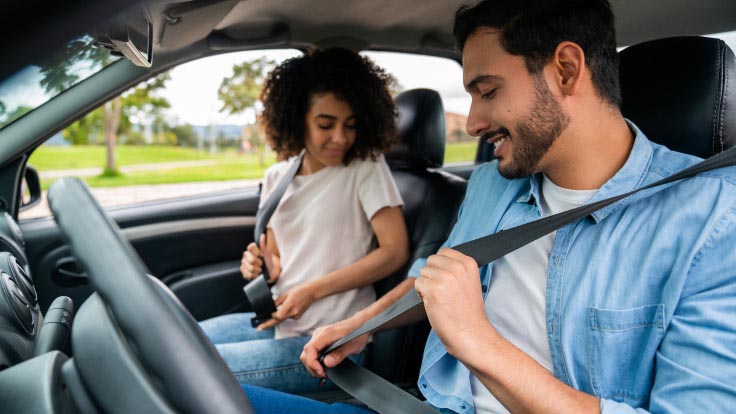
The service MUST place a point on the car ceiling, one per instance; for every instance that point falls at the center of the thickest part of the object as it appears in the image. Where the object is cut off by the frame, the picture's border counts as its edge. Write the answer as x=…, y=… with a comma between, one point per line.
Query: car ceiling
x=421, y=26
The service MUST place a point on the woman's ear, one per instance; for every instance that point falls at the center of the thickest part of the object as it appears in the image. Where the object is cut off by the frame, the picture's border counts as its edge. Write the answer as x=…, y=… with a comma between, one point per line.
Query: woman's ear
x=569, y=64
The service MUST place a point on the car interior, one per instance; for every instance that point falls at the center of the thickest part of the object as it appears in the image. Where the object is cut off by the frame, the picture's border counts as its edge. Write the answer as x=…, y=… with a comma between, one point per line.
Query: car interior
x=99, y=308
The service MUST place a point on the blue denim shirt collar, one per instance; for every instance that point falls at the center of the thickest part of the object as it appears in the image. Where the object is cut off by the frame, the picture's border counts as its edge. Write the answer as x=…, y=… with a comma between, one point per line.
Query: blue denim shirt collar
x=628, y=178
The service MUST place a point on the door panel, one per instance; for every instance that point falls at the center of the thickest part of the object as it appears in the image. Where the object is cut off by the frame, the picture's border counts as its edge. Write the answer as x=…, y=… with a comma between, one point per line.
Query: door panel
x=194, y=245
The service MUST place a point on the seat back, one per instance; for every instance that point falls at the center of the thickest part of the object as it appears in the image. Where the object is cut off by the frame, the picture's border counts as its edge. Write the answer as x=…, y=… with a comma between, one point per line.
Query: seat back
x=431, y=201
x=680, y=92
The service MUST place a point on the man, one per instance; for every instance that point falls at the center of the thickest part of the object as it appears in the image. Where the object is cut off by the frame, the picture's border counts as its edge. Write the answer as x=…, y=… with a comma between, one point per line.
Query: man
x=630, y=308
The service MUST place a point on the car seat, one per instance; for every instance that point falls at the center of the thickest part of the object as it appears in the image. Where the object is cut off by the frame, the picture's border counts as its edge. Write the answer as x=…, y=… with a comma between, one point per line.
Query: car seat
x=680, y=92
x=431, y=201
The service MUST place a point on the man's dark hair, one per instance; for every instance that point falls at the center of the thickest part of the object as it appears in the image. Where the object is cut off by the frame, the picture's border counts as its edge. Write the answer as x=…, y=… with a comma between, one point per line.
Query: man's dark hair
x=533, y=29
x=354, y=79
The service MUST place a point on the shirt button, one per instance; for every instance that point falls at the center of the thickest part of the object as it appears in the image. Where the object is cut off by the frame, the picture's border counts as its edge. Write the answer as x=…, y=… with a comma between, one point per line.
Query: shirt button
x=424, y=385
x=484, y=288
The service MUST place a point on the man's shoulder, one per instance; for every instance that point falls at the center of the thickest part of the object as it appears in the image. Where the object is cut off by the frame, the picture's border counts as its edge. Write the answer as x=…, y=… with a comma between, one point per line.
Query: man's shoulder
x=666, y=162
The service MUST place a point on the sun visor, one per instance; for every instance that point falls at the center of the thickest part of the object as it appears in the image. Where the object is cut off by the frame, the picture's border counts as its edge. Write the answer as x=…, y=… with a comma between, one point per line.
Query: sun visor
x=190, y=22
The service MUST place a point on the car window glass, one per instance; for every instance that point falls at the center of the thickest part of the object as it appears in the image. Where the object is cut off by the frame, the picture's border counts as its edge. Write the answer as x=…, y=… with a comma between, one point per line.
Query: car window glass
x=445, y=77
x=185, y=132
x=728, y=37
x=35, y=84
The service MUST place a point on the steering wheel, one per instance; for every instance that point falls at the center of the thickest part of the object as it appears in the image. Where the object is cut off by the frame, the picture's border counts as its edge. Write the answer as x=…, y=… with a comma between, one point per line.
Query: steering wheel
x=168, y=343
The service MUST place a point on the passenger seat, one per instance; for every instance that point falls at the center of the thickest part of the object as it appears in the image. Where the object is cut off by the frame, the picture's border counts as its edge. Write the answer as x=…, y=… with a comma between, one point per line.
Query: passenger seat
x=431, y=202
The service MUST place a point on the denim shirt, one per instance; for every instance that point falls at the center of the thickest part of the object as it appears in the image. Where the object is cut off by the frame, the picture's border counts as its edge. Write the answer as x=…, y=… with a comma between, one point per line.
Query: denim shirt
x=641, y=295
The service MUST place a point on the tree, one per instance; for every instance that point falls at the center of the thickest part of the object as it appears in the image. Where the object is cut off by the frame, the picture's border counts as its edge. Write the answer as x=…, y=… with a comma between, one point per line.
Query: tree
x=142, y=104
x=83, y=131
x=239, y=93
x=62, y=72
x=184, y=134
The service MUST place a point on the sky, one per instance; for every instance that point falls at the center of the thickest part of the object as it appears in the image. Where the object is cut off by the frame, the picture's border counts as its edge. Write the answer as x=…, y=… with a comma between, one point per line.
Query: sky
x=192, y=90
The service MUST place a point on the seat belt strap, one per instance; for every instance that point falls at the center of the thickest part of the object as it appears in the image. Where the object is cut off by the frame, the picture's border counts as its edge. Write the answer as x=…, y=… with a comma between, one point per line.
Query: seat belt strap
x=484, y=250
x=257, y=290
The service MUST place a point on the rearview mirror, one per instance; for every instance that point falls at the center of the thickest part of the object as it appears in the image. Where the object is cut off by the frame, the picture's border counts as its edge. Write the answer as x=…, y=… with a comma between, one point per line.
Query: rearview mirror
x=129, y=34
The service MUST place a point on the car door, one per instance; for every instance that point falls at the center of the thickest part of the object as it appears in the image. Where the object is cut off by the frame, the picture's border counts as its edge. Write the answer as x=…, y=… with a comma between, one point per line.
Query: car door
x=192, y=244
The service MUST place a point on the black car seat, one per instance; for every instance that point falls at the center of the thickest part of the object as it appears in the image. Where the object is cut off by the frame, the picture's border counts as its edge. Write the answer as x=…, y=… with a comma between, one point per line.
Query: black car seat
x=681, y=92
x=431, y=201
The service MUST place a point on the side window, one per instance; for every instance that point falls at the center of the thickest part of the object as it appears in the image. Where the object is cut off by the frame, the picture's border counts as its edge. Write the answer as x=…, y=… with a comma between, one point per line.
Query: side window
x=446, y=77
x=188, y=131
x=728, y=37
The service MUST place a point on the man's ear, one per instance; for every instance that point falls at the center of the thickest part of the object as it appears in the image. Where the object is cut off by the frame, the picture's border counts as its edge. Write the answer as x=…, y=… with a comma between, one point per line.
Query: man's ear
x=569, y=64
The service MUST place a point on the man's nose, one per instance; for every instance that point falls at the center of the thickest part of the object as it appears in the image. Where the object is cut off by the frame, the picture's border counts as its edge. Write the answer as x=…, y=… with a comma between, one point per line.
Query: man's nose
x=476, y=122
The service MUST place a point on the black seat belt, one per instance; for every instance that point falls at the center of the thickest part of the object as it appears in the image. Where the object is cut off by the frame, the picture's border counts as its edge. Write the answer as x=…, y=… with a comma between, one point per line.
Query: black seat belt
x=257, y=290
x=384, y=397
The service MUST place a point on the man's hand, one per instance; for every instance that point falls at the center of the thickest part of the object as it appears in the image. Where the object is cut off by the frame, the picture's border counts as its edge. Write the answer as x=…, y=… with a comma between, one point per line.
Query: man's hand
x=450, y=287
x=251, y=263
x=326, y=336
x=291, y=304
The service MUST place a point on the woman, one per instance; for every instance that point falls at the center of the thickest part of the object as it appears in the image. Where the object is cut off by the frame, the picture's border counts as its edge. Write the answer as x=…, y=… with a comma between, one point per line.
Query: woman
x=319, y=245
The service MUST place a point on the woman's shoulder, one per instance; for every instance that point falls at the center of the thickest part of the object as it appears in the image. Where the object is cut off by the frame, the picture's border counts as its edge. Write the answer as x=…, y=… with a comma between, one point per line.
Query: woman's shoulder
x=280, y=168
x=369, y=164
x=372, y=169
x=274, y=173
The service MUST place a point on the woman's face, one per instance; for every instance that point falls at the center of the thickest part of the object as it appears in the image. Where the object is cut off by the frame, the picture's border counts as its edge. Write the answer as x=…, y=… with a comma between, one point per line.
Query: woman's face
x=330, y=132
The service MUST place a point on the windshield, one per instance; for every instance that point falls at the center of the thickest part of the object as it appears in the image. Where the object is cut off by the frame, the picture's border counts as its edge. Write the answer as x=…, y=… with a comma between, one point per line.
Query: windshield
x=35, y=84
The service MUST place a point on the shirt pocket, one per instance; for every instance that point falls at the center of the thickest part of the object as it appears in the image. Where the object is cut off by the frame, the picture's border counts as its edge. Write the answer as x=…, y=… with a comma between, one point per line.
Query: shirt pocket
x=622, y=348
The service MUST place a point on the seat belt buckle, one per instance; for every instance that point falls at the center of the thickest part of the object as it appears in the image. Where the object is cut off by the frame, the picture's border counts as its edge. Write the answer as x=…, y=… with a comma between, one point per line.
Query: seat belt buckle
x=257, y=320
x=261, y=302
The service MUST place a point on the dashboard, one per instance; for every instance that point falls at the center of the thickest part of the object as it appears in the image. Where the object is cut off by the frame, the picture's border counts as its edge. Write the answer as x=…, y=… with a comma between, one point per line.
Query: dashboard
x=24, y=332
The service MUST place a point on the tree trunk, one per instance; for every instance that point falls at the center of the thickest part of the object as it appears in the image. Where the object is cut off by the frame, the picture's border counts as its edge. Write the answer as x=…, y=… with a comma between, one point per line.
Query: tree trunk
x=113, y=111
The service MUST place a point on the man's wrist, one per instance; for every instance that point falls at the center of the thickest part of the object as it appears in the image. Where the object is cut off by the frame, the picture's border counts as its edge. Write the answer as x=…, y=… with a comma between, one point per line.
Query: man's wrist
x=477, y=347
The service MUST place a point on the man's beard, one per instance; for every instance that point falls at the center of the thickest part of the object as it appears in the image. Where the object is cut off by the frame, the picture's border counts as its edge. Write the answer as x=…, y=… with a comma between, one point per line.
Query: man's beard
x=536, y=133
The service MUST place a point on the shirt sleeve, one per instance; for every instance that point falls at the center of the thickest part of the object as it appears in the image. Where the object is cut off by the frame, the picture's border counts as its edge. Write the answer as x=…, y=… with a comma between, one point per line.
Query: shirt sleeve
x=696, y=360
x=376, y=187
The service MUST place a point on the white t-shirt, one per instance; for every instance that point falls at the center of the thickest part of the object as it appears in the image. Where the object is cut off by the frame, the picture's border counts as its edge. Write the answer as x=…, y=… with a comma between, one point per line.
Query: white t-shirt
x=322, y=224
x=515, y=304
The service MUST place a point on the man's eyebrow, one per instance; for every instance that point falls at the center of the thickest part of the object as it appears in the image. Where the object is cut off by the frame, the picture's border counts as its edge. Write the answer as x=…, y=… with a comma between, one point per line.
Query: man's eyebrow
x=481, y=78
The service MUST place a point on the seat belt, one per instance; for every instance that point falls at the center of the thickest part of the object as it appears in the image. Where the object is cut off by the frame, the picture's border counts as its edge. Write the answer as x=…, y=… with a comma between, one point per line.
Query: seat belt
x=257, y=290
x=384, y=397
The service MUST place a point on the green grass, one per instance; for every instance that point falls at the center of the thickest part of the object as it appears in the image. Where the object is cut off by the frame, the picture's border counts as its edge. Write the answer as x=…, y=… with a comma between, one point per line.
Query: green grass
x=460, y=151
x=93, y=156
x=226, y=169
x=228, y=165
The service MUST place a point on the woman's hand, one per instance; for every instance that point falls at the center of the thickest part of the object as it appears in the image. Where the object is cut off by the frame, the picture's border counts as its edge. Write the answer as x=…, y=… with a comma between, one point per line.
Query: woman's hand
x=251, y=263
x=291, y=304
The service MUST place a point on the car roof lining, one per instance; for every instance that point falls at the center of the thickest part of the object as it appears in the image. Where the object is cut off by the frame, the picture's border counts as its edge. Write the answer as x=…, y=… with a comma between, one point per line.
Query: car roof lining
x=408, y=25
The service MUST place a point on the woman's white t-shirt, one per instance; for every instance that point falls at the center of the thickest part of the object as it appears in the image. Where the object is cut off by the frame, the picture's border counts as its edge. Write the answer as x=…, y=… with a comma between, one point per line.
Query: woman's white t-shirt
x=322, y=224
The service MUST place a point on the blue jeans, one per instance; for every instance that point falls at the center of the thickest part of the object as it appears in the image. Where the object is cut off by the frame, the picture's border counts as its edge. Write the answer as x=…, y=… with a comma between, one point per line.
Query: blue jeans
x=267, y=401
x=256, y=358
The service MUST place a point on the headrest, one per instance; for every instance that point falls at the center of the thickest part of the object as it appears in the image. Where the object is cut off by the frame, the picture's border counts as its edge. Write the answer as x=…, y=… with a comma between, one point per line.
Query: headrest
x=421, y=131
x=680, y=92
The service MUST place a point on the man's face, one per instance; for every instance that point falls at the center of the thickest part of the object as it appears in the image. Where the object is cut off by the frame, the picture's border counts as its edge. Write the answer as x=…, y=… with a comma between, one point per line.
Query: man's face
x=510, y=108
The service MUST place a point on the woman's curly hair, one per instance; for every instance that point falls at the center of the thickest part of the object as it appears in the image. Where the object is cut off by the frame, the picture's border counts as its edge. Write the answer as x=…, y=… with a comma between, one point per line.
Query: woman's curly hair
x=354, y=79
